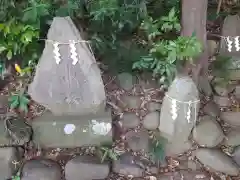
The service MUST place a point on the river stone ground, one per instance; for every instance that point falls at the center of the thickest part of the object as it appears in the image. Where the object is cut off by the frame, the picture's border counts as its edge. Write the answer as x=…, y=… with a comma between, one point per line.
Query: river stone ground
x=136, y=112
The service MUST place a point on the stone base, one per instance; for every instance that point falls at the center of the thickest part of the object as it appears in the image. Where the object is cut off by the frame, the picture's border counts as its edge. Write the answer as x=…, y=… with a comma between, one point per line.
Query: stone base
x=72, y=131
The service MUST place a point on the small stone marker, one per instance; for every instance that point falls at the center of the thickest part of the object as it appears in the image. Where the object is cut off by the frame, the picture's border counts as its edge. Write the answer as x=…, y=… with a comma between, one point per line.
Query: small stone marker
x=179, y=110
x=230, y=41
x=67, y=80
x=72, y=131
x=231, y=28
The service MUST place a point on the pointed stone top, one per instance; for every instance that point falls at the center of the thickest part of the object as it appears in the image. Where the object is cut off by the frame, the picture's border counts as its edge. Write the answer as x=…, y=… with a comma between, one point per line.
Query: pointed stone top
x=66, y=88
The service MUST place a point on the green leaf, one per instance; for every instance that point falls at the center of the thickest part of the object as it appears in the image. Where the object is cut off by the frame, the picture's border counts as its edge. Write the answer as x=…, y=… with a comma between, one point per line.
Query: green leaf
x=104, y=156
x=15, y=48
x=165, y=18
x=27, y=70
x=42, y=10
x=166, y=27
x=6, y=30
x=27, y=37
x=112, y=155
x=9, y=55
x=24, y=100
x=171, y=14
x=30, y=15
x=14, y=104
x=2, y=26
x=158, y=148
x=104, y=149
x=2, y=49
x=177, y=26
x=13, y=98
x=23, y=107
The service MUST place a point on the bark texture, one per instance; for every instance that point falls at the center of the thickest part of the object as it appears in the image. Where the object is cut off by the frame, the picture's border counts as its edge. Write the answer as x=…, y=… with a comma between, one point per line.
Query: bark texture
x=194, y=18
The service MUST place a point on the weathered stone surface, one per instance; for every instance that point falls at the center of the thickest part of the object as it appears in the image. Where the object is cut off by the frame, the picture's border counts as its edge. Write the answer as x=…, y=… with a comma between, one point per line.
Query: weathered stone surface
x=8, y=157
x=128, y=165
x=189, y=164
x=217, y=160
x=177, y=147
x=222, y=101
x=18, y=136
x=130, y=120
x=186, y=175
x=208, y=132
x=236, y=155
x=131, y=101
x=126, y=81
x=151, y=120
x=19, y=131
x=41, y=169
x=224, y=89
x=5, y=139
x=233, y=138
x=211, y=109
x=230, y=28
x=212, y=47
x=232, y=118
x=148, y=82
x=237, y=92
x=72, y=131
x=153, y=170
x=3, y=104
x=65, y=88
x=138, y=141
x=183, y=89
x=204, y=86
x=234, y=74
x=86, y=168
x=153, y=106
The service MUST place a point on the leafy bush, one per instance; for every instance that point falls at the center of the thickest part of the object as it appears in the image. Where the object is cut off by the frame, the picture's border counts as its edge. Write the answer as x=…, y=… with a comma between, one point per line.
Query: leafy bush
x=20, y=31
x=16, y=37
x=164, y=52
x=125, y=34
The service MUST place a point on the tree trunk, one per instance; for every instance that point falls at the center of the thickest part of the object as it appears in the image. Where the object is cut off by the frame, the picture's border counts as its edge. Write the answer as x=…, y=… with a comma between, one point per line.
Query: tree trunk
x=194, y=18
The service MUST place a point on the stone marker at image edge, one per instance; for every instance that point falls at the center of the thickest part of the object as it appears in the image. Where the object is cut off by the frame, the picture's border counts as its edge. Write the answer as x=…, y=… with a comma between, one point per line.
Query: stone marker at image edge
x=86, y=168
x=72, y=131
x=9, y=158
x=231, y=27
x=175, y=125
x=65, y=88
x=41, y=169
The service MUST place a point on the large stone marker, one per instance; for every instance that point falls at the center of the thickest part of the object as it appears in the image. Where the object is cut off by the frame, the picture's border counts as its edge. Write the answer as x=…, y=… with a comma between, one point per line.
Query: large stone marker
x=61, y=86
x=179, y=111
x=72, y=131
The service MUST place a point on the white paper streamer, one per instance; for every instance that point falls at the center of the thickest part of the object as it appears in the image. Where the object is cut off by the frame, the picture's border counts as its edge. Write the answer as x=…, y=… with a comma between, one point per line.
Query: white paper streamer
x=56, y=52
x=237, y=45
x=73, y=52
x=229, y=44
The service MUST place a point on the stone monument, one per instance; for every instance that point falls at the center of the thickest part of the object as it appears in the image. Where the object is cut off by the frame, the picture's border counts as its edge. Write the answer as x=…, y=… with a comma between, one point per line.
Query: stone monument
x=230, y=46
x=68, y=83
x=179, y=110
x=67, y=80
